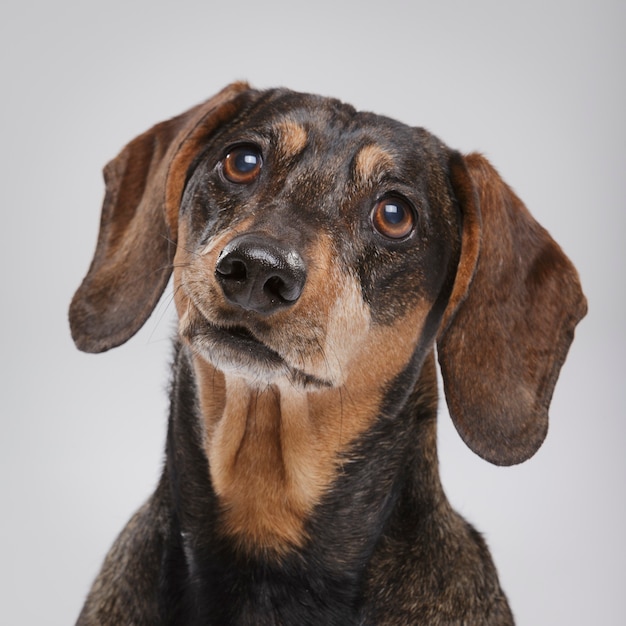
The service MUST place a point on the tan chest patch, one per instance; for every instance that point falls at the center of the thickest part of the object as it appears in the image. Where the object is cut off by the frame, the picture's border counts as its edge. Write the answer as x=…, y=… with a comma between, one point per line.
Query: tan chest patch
x=275, y=451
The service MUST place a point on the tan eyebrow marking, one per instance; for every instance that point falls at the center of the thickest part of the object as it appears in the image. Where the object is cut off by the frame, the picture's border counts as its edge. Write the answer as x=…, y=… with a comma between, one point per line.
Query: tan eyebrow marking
x=292, y=138
x=370, y=162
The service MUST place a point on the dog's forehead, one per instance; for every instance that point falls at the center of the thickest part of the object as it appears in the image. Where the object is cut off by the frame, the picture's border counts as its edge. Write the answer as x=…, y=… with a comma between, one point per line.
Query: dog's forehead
x=371, y=143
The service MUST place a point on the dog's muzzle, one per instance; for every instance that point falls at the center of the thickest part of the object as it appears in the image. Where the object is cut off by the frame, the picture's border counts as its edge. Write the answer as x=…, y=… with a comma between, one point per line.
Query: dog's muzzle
x=260, y=274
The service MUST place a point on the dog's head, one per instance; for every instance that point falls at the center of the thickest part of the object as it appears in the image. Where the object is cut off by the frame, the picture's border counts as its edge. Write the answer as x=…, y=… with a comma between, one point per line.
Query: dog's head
x=312, y=243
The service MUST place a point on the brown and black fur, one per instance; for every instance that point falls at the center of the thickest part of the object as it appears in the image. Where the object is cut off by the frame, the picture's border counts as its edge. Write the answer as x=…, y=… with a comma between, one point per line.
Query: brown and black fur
x=301, y=484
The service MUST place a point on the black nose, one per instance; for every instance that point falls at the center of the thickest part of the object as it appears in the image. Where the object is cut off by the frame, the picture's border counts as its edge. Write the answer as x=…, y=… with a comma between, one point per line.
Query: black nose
x=259, y=274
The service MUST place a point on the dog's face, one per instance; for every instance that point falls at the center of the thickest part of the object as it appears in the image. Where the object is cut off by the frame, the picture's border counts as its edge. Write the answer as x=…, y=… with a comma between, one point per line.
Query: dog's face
x=311, y=238
x=327, y=249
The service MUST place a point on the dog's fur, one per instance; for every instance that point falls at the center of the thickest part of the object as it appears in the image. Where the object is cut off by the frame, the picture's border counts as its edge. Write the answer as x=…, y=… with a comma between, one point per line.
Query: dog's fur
x=301, y=484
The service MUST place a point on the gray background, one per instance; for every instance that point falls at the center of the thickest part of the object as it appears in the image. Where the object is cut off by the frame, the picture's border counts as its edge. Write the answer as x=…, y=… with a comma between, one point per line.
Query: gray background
x=537, y=86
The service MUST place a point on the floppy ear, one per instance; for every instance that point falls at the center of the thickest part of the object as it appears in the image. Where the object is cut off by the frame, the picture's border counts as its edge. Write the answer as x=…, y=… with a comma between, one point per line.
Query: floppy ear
x=510, y=321
x=138, y=227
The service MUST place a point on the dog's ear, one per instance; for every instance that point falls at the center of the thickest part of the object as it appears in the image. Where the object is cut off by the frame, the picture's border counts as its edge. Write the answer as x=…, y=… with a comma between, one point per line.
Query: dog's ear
x=138, y=227
x=510, y=320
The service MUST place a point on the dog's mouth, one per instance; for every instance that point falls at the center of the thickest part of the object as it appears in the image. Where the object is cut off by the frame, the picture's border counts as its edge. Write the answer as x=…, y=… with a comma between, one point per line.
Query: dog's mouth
x=241, y=340
x=236, y=349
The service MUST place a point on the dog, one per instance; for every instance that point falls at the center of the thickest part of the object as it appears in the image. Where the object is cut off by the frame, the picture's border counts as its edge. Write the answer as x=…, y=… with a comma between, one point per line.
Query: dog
x=323, y=260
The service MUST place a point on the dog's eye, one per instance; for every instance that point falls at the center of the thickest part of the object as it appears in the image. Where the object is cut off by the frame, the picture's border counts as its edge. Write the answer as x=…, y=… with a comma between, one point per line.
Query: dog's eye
x=393, y=217
x=242, y=164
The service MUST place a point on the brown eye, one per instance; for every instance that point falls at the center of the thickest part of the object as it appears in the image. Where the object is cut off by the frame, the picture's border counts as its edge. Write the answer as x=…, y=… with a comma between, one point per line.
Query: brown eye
x=393, y=218
x=242, y=165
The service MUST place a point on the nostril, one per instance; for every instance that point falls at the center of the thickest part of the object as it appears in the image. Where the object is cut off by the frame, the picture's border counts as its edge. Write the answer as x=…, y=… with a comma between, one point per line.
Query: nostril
x=287, y=290
x=275, y=287
x=231, y=268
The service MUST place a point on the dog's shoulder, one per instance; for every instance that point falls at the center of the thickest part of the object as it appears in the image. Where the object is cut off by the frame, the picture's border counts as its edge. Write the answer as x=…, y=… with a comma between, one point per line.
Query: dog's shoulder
x=128, y=587
x=435, y=571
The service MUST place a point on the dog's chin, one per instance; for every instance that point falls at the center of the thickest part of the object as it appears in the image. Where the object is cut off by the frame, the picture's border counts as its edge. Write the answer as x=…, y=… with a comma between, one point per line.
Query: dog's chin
x=235, y=350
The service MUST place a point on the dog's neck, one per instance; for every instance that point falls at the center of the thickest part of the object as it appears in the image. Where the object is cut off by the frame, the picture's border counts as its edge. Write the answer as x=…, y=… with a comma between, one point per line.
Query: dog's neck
x=274, y=453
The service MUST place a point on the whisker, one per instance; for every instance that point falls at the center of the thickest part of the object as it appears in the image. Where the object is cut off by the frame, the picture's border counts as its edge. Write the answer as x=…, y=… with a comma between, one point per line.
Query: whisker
x=177, y=245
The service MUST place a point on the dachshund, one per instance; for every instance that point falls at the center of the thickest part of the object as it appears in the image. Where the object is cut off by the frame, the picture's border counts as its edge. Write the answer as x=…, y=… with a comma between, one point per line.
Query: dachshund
x=323, y=261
